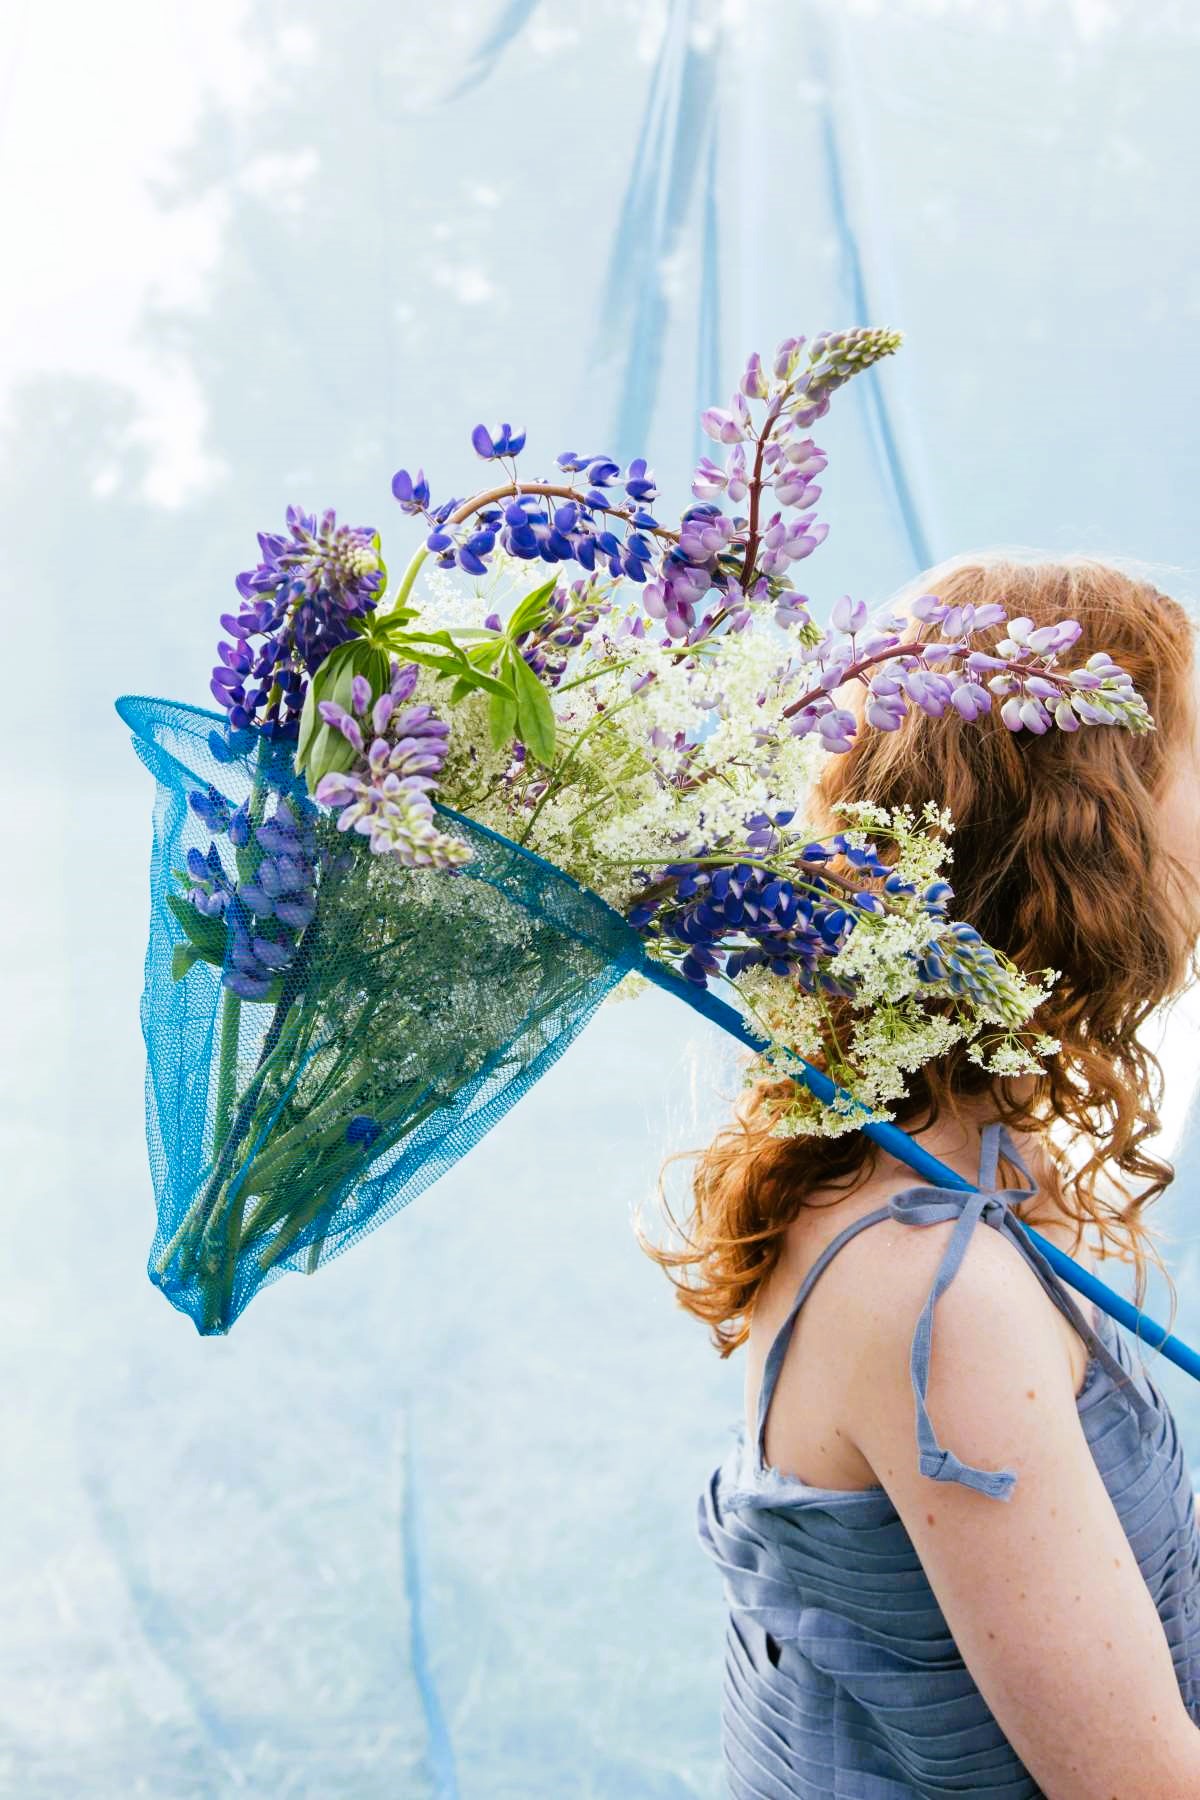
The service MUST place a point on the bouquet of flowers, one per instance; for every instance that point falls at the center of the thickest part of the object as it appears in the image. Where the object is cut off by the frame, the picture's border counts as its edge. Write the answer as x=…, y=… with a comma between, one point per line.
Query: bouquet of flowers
x=428, y=832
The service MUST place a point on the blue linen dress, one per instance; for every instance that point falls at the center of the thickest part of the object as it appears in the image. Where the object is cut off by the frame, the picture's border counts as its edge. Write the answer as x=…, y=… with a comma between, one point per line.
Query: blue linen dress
x=842, y=1681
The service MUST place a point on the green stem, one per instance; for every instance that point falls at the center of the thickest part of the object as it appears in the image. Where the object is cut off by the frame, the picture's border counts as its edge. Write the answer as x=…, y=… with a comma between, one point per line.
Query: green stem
x=231, y=1020
x=304, y=1214
x=313, y=1122
x=204, y=1205
x=222, y=1290
x=198, y=1210
x=556, y=783
x=409, y=577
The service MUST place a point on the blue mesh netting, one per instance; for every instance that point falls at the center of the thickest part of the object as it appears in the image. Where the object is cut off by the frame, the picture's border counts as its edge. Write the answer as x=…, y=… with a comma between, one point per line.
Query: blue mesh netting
x=386, y=1034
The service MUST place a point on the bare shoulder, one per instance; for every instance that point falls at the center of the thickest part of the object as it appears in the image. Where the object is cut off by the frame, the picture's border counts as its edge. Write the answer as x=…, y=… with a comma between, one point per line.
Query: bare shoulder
x=848, y=1355
x=1039, y=1588
x=885, y=1279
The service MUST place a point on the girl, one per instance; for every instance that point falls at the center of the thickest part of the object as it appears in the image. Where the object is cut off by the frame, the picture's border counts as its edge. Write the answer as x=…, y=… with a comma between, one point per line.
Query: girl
x=956, y=1532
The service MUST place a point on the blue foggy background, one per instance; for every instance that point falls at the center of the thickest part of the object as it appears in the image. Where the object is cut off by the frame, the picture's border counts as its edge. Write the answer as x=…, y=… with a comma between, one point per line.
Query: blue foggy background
x=425, y=1526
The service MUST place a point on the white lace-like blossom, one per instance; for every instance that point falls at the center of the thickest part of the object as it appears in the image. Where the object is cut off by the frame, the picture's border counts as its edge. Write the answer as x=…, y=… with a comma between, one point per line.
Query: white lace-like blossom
x=659, y=752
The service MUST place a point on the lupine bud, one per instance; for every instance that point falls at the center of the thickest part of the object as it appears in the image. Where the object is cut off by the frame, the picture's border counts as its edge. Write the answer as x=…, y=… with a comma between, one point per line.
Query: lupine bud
x=754, y=381
x=737, y=486
x=786, y=356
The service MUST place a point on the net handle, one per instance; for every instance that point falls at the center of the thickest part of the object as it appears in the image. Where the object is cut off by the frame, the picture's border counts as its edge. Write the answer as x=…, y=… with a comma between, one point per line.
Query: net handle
x=897, y=1142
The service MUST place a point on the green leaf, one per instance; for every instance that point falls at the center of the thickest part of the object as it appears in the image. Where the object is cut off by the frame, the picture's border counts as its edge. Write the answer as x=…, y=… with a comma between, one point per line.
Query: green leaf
x=485, y=655
x=433, y=659
x=502, y=719
x=379, y=672
x=391, y=625
x=183, y=958
x=207, y=935
x=433, y=637
x=320, y=749
x=535, y=715
x=458, y=667
x=531, y=610
x=489, y=683
x=321, y=686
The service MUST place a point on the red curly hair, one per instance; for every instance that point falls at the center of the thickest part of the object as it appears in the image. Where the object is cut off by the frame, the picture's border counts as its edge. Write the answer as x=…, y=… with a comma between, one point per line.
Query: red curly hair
x=1057, y=860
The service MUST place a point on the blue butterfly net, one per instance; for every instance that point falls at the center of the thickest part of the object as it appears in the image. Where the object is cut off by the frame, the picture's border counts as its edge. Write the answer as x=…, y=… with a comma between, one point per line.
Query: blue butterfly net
x=327, y=1031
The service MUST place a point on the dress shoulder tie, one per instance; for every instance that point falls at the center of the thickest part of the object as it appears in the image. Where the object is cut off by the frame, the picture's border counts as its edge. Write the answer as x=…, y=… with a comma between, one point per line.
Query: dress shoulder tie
x=933, y=1206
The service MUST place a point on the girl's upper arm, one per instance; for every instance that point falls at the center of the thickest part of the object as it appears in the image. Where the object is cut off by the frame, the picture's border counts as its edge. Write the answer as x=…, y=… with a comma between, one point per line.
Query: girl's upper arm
x=1041, y=1591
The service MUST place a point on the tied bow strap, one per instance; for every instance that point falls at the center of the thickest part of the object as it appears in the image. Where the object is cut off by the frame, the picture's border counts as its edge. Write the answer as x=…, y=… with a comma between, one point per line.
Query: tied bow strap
x=933, y=1206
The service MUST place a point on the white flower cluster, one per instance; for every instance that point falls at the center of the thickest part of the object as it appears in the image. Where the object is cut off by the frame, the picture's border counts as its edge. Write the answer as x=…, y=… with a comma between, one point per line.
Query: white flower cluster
x=895, y=1029
x=659, y=752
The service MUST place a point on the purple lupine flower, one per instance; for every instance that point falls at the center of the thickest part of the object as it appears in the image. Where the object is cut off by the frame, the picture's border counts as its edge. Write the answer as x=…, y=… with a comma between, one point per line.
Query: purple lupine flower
x=571, y=613
x=362, y=1129
x=733, y=915
x=837, y=729
x=791, y=609
x=385, y=795
x=737, y=485
x=211, y=890
x=502, y=442
x=269, y=911
x=640, y=484
x=725, y=425
x=805, y=457
x=300, y=602
x=970, y=699
x=412, y=493
x=739, y=915
x=849, y=615
x=754, y=382
x=784, y=543
x=794, y=489
x=709, y=480
x=928, y=689
x=885, y=708
x=212, y=809
x=786, y=357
